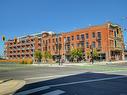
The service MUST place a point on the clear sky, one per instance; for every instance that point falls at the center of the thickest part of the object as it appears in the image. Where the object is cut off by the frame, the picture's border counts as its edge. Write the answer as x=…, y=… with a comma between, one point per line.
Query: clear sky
x=22, y=17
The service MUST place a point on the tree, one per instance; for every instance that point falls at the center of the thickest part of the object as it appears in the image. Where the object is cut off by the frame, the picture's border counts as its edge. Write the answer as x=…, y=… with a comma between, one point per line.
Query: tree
x=73, y=53
x=46, y=55
x=76, y=53
x=38, y=55
x=88, y=53
x=95, y=53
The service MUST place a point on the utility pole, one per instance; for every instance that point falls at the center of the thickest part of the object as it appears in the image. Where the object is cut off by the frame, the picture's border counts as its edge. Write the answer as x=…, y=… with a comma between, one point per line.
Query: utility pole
x=91, y=52
x=58, y=45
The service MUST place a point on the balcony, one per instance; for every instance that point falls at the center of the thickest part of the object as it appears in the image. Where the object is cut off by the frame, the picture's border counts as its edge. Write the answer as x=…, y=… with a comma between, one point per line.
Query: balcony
x=67, y=42
x=99, y=48
x=116, y=48
x=82, y=39
x=118, y=38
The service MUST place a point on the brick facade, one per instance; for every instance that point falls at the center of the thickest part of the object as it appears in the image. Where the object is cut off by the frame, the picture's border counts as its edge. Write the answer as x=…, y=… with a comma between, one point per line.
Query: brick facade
x=107, y=39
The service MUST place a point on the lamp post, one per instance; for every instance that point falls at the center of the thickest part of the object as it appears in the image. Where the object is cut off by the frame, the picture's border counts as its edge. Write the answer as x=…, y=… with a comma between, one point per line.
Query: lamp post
x=91, y=52
x=58, y=46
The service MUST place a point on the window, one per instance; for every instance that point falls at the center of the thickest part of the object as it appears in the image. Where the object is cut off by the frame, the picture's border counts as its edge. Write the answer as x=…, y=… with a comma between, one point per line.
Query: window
x=46, y=42
x=56, y=40
x=93, y=35
x=115, y=43
x=93, y=44
x=87, y=44
x=72, y=37
x=60, y=39
x=82, y=44
x=82, y=36
x=115, y=33
x=99, y=43
x=68, y=38
x=99, y=35
x=53, y=40
x=77, y=37
x=68, y=47
x=87, y=36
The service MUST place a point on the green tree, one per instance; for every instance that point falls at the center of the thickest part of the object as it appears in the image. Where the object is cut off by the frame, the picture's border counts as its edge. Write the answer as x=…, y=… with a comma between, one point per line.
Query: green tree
x=76, y=53
x=38, y=55
x=88, y=53
x=95, y=53
x=79, y=52
x=73, y=53
x=46, y=55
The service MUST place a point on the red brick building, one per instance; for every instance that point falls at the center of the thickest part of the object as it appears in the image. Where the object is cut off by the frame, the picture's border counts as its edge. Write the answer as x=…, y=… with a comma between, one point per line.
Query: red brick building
x=107, y=39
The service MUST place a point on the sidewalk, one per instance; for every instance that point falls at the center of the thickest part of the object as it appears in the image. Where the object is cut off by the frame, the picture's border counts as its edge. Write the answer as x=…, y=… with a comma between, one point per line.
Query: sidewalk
x=10, y=86
x=79, y=64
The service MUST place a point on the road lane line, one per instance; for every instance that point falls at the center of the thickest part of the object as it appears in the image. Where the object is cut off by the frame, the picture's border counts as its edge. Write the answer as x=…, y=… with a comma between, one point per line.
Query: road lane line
x=55, y=76
x=65, y=84
x=32, y=90
x=56, y=92
x=87, y=81
x=64, y=75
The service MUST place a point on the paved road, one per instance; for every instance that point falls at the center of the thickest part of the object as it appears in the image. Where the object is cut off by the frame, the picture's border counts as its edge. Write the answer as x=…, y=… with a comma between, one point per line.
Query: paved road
x=79, y=84
x=71, y=80
x=39, y=73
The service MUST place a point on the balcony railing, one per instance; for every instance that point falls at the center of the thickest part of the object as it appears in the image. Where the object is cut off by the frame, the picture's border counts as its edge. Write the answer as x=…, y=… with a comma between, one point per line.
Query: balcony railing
x=82, y=39
x=116, y=48
x=67, y=42
x=99, y=48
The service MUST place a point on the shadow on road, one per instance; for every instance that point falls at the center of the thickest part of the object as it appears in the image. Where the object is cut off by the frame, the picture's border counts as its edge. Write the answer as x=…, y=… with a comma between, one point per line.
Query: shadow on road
x=80, y=84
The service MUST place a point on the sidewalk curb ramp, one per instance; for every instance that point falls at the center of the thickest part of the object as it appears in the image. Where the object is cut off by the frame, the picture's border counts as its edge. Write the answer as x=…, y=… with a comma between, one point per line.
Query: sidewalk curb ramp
x=5, y=80
x=10, y=86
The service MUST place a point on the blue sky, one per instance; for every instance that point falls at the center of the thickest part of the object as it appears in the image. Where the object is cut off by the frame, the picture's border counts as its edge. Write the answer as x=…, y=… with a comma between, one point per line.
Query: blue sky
x=22, y=17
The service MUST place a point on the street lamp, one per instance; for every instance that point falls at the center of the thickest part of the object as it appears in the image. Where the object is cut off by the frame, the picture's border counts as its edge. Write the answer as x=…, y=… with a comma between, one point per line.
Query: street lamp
x=58, y=46
x=91, y=52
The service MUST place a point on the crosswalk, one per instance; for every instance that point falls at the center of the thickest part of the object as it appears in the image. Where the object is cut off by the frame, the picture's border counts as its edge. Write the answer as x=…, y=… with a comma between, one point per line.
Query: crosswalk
x=56, y=92
x=59, y=92
x=34, y=90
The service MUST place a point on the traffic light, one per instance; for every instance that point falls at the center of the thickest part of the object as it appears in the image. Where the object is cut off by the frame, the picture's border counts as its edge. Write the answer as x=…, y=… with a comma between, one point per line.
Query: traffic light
x=15, y=40
x=3, y=38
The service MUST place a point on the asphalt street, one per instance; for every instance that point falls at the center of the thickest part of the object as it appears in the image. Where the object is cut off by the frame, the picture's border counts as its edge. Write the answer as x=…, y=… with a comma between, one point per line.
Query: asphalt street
x=80, y=84
x=72, y=80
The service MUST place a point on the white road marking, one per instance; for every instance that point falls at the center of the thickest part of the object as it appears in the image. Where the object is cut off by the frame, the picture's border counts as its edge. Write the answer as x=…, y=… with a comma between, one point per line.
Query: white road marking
x=32, y=90
x=56, y=92
x=55, y=76
x=87, y=81
x=65, y=84
x=64, y=75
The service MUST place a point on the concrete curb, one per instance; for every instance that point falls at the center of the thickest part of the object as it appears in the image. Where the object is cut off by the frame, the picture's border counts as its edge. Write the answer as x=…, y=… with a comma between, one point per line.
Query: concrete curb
x=11, y=86
x=5, y=80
